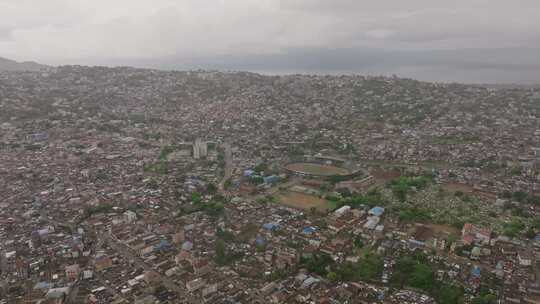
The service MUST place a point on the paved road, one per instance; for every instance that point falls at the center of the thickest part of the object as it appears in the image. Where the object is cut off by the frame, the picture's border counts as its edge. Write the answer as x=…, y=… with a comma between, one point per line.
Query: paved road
x=228, y=165
x=122, y=249
x=73, y=293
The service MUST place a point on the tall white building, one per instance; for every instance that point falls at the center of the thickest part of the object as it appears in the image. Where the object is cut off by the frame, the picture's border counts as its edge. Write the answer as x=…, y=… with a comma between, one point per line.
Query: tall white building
x=200, y=149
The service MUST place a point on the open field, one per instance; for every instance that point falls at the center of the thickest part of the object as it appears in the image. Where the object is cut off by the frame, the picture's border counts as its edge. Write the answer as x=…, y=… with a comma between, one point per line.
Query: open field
x=317, y=169
x=444, y=229
x=302, y=201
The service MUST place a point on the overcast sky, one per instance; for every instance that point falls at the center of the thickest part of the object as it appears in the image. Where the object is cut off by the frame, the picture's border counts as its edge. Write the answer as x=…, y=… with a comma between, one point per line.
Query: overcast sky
x=458, y=40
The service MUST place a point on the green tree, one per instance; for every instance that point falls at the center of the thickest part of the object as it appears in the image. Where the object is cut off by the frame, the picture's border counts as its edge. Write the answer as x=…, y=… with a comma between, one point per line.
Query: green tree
x=317, y=263
x=165, y=151
x=196, y=198
x=257, y=180
x=404, y=267
x=371, y=266
x=515, y=171
x=400, y=191
x=449, y=294
x=534, y=200
x=519, y=196
x=349, y=272
x=222, y=255
x=332, y=276
x=513, y=228
x=358, y=242
x=262, y=167
x=220, y=249
x=530, y=233
x=422, y=277
x=211, y=188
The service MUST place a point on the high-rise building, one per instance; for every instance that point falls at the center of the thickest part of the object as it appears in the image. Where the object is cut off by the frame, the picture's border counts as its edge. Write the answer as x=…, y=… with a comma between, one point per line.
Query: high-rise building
x=200, y=149
x=196, y=152
x=203, y=149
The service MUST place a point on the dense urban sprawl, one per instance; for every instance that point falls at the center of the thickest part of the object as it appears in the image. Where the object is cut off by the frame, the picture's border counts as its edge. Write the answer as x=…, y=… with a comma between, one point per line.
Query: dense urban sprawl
x=124, y=185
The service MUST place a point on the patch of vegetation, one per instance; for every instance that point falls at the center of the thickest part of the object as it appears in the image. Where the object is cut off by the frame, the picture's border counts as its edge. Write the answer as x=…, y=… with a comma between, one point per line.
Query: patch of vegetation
x=102, y=208
x=262, y=167
x=414, y=214
x=224, y=256
x=213, y=208
x=211, y=188
x=196, y=198
x=368, y=268
x=224, y=235
x=334, y=179
x=455, y=140
x=515, y=171
x=448, y=294
x=295, y=152
x=372, y=198
x=414, y=271
x=318, y=263
x=401, y=186
x=278, y=275
x=371, y=266
x=485, y=299
x=513, y=228
x=256, y=180
x=165, y=151
x=358, y=242
x=411, y=271
x=160, y=168
x=522, y=197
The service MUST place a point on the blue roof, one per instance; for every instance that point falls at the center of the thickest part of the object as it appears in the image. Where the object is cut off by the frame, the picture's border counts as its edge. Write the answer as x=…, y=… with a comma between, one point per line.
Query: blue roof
x=271, y=226
x=162, y=244
x=476, y=271
x=537, y=238
x=377, y=211
x=44, y=285
x=309, y=230
x=248, y=172
x=260, y=241
x=271, y=179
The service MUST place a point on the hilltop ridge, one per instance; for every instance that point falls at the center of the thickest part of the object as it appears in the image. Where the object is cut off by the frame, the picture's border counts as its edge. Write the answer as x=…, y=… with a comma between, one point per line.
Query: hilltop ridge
x=12, y=65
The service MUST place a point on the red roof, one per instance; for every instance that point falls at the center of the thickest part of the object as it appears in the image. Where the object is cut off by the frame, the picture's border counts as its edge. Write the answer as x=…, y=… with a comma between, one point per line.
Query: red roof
x=468, y=239
x=467, y=227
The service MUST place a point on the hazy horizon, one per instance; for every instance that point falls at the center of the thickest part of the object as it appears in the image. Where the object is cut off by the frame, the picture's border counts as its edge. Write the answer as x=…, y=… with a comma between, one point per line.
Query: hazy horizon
x=475, y=41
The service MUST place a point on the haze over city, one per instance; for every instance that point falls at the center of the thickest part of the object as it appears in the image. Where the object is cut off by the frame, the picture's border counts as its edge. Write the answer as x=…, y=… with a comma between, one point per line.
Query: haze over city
x=477, y=41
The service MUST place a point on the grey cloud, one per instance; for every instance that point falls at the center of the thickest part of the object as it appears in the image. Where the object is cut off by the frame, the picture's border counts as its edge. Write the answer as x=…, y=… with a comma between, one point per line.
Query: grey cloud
x=5, y=34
